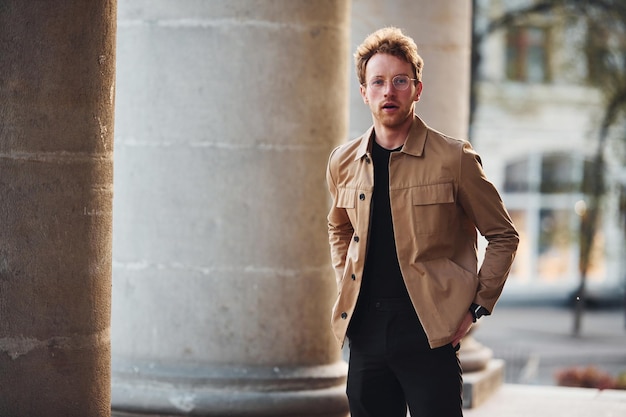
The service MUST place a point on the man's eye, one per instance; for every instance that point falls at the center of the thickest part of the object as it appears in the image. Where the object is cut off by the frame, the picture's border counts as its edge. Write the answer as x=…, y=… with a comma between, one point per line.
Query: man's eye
x=401, y=81
x=376, y=83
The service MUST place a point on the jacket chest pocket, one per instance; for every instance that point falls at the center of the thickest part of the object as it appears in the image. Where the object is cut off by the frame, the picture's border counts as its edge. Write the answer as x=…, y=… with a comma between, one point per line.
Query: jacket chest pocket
x=433, y=207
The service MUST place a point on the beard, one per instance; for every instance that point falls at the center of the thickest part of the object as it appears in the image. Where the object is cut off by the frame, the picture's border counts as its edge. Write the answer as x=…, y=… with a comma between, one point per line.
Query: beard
x=394, y=119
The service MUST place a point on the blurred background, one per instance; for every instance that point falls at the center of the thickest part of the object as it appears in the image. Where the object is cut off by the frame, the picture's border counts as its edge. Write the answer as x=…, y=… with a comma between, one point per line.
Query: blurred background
x=548, y=101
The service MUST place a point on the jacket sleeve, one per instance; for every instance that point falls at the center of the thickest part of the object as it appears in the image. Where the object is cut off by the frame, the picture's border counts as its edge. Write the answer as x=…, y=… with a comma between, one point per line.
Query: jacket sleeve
x=340, y=228
x=484, y=207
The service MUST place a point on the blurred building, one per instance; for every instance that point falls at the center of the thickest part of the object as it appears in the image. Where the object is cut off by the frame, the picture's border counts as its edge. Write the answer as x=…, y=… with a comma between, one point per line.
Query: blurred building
x=536, y=124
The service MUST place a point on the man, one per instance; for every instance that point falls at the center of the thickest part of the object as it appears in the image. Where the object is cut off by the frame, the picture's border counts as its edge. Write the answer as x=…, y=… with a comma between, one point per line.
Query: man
x=407, y=201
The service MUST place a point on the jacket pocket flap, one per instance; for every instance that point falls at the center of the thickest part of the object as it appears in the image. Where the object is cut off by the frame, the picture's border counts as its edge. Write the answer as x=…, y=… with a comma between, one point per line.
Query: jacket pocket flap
x=432, y=194
x=346, y=198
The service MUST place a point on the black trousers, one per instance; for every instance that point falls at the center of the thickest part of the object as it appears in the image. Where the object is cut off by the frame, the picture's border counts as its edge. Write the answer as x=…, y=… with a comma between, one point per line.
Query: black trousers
x=391, y=366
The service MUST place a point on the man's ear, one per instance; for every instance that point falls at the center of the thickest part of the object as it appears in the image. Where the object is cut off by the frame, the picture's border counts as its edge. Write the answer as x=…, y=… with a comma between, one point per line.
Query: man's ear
x=418, y=91
x=363, y=95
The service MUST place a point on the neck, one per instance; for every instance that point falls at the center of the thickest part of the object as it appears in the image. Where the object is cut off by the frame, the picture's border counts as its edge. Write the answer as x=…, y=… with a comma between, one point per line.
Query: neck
x=392, y=137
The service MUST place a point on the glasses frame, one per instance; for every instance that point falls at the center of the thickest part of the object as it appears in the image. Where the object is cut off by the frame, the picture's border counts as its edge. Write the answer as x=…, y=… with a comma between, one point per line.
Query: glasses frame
x=368, y=84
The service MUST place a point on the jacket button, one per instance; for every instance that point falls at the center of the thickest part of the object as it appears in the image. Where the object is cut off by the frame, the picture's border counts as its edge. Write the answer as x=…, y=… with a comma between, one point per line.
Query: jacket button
x=361, y=196
x=356, y=238
x=344, y=315
x=353, y=277
x=367, y=160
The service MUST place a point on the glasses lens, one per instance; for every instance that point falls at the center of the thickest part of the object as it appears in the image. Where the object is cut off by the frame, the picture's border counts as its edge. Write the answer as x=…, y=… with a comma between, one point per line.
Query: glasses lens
x=401, y=82
x=377, y=83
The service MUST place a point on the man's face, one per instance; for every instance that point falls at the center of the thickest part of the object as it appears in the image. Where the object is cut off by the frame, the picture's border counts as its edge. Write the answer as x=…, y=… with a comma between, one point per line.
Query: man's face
x=390, y=106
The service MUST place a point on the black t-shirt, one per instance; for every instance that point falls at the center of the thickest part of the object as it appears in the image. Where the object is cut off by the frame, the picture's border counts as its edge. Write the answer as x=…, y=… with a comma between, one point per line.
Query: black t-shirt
x=382, y=277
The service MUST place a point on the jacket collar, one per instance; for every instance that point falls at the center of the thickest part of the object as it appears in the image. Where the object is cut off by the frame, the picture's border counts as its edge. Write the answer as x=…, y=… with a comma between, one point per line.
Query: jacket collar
x=364, y=146
x=414, y=144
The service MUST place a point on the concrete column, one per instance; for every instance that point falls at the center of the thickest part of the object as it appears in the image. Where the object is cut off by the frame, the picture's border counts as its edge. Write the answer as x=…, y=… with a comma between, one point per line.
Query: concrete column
x=442, y=32
x=57, y=66
x=227, y=111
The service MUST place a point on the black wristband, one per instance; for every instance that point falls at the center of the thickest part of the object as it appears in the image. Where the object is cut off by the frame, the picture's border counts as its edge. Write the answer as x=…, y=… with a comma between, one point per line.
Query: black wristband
x=477, y=311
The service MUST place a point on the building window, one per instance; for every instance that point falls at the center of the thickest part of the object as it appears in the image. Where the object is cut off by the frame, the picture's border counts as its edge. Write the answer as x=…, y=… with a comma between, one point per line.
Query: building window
x=543, y=196
x=560, y=173
x=516, y=177
x=555, y=241
x=527, y=54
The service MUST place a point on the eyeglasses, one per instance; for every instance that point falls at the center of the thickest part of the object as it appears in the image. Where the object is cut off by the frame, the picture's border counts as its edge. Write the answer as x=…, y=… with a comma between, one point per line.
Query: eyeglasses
x=400, y=82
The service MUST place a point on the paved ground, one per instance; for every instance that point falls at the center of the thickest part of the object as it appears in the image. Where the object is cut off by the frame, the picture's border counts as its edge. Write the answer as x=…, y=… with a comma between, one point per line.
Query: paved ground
x=536, y=343
x=549, y=401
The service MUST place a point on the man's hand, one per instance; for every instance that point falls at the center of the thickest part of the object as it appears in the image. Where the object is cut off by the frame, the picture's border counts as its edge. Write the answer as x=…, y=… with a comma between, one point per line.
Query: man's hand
x=464, y=327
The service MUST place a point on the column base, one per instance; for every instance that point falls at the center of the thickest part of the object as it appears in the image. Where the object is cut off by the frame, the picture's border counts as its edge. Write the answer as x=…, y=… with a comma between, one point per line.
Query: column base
x=478, y=386
x=157, y=391
x=473, y=355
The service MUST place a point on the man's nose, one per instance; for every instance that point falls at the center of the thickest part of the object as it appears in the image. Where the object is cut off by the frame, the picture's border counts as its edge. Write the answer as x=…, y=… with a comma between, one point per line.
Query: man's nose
x=389, y=88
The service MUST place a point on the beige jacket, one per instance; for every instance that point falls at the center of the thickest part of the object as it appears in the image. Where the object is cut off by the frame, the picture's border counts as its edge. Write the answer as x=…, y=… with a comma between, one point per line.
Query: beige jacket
x=439, y=198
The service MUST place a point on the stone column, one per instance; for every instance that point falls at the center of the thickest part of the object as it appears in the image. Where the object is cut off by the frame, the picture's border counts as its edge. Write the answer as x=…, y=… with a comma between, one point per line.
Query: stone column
x=227, y=111
x=57, y=66
x=442, y=32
